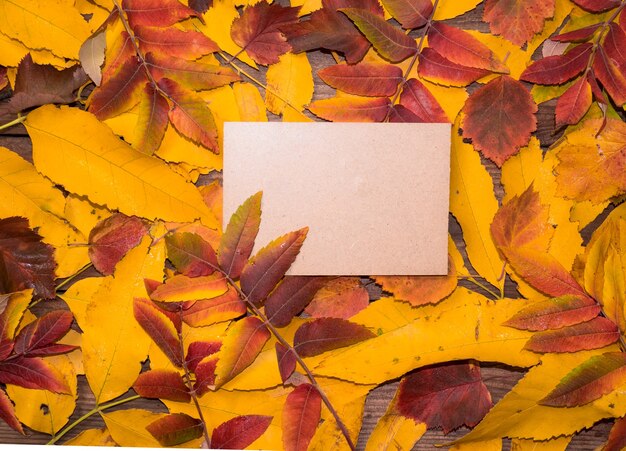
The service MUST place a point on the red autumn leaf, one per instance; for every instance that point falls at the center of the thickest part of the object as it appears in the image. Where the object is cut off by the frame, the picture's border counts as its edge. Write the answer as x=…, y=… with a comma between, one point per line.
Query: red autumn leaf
x=400, y=113
x=190, y=254
x=290, y=297
x=593, y=334
x=175, y=429
x=7, y=413
x=410, y=13
x=517, y=20
x=25, y=260
x=462, y=48
x=610, y=75
x=32, y=372
x=210, y=311
x=120, y=92
x=420, y=290
x=191, y=74
x=390, y=42
x=342, y=297
x=617, y=436
x=286, y=361
x=190, y=115
x=582, y=34
x=44, y=331
x=557, y=69
x=438, y=69
x=111, y=238
x=597, y=6
x=241, y=345
x=239, y=432
x=152, y=120
x=205, y=375
x=189, y=45
x=446, y=396
x=198, y=350
x=555, y=313
x=363, y=79
x=499, y=118
x=327, y=29
x=257, y=31
x=589, y=381
x=615, y=45
x=238, y=240
x=160, y=328
x=572, y=106
x=352, y=109
x=263, y=272
x=41, y=84
x=325, y=334
x=13, y=308
x=156, y=13
x=162, y=384
x=421, y=102
x=301, y=415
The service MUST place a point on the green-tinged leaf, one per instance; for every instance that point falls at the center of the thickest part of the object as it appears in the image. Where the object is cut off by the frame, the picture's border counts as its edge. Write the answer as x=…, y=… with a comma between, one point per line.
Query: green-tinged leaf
x=390, y=42
x=263, y=272
x=555, y=313
x=108, y=171
x=410, y=13
x=190, y=254
x=175, y=429
x=238, y=240
x=151, y=121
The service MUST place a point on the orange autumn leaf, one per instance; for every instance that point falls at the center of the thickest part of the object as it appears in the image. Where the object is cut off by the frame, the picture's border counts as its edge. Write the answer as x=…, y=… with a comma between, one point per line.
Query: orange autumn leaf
x=518, y=20
x=351, y=109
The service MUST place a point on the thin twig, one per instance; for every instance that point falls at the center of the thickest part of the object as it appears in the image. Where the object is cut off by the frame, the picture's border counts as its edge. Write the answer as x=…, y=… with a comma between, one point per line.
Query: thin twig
x=19, y=120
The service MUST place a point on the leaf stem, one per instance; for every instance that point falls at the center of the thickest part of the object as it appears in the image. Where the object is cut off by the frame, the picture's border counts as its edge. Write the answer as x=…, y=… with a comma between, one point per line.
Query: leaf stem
x=73, y=276
x=93, y=411
x=481, y=285
x=192, y=392
x=16, y=121
x=284, y=342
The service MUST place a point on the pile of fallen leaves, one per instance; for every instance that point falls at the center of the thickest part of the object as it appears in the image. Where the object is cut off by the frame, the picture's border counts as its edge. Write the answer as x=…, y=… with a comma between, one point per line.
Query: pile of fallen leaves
x=117, y=212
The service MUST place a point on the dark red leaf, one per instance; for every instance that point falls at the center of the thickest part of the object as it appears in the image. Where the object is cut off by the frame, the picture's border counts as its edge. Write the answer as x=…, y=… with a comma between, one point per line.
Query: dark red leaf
x=582, y=34
x=499, y=118
x=238, y=239
x=597, y=6
x=159, y=327
x=410, y=13
x=190, y=254
x=342, y=297
x=175, y=429
x=257, y=31
x=363, y=79
x=617, y=436
x=52, y=349
x=163, y=384
x=324, y=334
x=43, y=332
x=572, y=106
x=263, y=272
x=301, y=415
x=7, y=413
x=210, y=311
x=421, y=102
x=205, y=375
x=198, y=350
x=25, y=261
x=156, y=13
x=286, y=361
x=32, y=372
x=290, y=297
x=188, y=45
x=239, y=432
x=557, y=69
x=438, y=69
x=400, y=113
x=446, y=396
x=555, y=313
x=593, y=334
x=615, y=45
x=111, y=238
x=607, y=73
x=592, y=379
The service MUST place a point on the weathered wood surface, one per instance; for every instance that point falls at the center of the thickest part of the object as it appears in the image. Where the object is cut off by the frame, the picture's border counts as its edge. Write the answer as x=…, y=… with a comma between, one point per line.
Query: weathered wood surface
x=498, y=379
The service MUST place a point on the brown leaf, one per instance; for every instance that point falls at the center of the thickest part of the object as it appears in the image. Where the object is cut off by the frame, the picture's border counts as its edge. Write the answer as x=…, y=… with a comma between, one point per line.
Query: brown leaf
x=418, y=99
x=593, y=334
x=190, y=74
x=239, y=432
x=499, y=118
x=301, y=415
x=446, y=396
x=410, y=13
x=25, y=261
x=162, y=384
x=597, y=6
x=324, y=334
x=291, y=296
x=175, y=429
x=190, y=254
x=111, y=238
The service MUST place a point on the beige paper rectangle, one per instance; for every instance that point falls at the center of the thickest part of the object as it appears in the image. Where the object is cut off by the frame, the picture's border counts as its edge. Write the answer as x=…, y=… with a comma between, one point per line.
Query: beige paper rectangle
x=374, y=196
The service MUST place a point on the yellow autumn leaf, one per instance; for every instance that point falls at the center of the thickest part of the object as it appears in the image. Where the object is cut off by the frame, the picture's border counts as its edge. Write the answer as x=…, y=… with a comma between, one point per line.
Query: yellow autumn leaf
x=328, y=435
x=54, y=25
x=92, y=437
x=307, y=6
x=557, y=444
x=114, y=345
x=467, y=325
x=74, y=149
x=395, y=432
x=83, y=214
x=250, y=103
x=175, y=148
x=585, y=212
x=11, y=51
x=289, y=84
x=450, y=10
x=79, y=296
x=489, y=445
x=473, y=203
x=518, y=414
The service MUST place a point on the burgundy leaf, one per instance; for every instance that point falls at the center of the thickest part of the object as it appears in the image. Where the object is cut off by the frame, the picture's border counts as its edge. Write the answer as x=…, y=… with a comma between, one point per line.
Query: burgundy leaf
x=198, y=350
x=210, y=311
x=342, y=297
x=159, y=327
x=410, y=13
x=597, y=6
x=582, y=34
x=32, y=372
x=205, y=375
x=286, y=361
x=43, y=332
x=324, y=334
x=290, y=297
x=558, y=69
x=400, y=113
x=301, y=415
x=163, y=384
x=239, y=432
x=421, y=102
x=111, y=238
x=438, y=69
x=593, y=334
